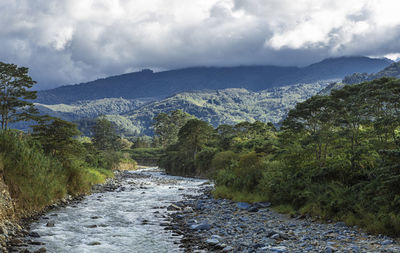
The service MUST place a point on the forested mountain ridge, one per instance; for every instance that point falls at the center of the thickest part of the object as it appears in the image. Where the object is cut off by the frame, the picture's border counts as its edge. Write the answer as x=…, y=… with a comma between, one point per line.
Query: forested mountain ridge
x=147, y=83
x=92, y=108
x=227, y=106
x=393, y=70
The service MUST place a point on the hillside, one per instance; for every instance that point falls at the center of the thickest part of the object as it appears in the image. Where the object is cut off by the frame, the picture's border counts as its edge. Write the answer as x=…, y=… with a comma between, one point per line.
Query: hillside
x=228, y=106
x=147, y=83
x=92, y=108
x=393, y=70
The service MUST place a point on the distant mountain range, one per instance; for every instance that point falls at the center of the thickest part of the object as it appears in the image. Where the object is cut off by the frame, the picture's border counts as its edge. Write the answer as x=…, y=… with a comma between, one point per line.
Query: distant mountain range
x=147, y=83
x=219, y=95
x=227, y=106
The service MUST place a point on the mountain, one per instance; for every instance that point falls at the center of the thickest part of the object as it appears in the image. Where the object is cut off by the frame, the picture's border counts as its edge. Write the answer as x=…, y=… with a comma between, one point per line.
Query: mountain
x=227, y=106
x=146, y=83
x=393, y=70
x=92, y=108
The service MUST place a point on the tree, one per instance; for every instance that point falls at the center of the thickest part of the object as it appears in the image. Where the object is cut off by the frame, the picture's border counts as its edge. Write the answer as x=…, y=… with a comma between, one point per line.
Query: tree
x=57, y=136
x=104, y=135
x=194, y=135
x=14, y=94
x=167, y=126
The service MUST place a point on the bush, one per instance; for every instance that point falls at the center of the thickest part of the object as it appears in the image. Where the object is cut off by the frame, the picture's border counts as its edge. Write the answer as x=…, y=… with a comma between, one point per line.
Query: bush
x=34, y=180
x=223, y=160
x=248, y=173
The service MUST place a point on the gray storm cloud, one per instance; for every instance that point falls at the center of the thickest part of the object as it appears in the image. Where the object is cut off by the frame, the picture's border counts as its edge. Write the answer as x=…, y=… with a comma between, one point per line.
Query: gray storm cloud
x=71, y=41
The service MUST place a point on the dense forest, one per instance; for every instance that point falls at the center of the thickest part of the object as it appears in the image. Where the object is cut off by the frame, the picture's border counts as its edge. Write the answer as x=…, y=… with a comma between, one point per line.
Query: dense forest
x=335, y=156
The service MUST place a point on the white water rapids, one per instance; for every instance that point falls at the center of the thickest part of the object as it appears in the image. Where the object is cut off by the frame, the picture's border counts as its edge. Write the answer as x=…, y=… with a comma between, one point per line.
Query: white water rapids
x=119, y=221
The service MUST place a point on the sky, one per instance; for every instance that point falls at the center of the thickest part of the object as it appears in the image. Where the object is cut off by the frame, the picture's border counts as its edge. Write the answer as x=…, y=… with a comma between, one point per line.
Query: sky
x=72, y=41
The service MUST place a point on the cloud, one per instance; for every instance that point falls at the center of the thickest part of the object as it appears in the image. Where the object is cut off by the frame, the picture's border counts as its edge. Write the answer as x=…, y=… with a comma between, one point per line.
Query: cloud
x=71, y=41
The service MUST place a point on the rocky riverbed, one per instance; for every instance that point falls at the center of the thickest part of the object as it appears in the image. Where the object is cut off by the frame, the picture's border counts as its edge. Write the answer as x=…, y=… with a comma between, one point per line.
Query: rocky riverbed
x=220, y=225
x=124, y=215
x=127, y=214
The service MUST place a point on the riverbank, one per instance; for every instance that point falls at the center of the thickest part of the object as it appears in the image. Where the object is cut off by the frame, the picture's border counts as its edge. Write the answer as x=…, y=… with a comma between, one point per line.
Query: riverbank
x=15, y=233
x=125, y=215
x=221, y=225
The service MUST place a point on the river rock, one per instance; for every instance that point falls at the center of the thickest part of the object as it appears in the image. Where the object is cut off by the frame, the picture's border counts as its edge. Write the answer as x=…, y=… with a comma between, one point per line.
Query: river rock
x=41, y=250
x=212, y=242
x=275, y=236
x=201, y=226
x=16, y=242
x=278, y=249
x=243, y=205
x=386, y=242
x=94, y=243
x=262, y=204
x=50, y=224
x=228, y=249
x=252, y=209
x=173, y=207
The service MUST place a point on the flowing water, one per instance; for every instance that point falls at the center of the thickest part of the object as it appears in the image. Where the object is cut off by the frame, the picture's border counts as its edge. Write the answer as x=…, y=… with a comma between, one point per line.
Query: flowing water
x=126, y=220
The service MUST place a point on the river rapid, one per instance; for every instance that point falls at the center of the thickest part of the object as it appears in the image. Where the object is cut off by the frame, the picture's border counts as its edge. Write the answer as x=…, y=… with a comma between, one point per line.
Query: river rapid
x=128, y=219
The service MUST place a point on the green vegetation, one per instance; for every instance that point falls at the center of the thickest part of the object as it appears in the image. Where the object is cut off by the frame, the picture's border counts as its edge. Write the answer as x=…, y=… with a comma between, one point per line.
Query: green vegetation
x=146, y=156
x=167, y=125
x=37, y=178
x=335, y=157
x=393, y=70
x=227, y=106
x=15, y=95
x=45, y=165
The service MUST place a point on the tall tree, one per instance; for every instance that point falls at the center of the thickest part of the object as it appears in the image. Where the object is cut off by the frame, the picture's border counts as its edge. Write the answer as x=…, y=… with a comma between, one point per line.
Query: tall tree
x=57, y=136
x=15, y=94
x=104, y=135
x=194, y=135
x=167, y=126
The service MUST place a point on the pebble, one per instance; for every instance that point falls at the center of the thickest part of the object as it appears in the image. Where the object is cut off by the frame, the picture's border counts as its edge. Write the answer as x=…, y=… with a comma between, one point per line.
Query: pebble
x=50, y=224
x=215, y=225
x=212, y=241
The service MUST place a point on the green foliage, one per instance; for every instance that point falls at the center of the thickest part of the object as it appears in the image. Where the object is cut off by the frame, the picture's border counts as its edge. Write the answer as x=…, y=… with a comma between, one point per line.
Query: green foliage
x=57, y=136
x=15, y=94
x=167, y=126
x=34, y=179
x=146, y=156
x=336, y=157
x=105, y=136
x=224, y=160
x=39, y=176
x=192, y=154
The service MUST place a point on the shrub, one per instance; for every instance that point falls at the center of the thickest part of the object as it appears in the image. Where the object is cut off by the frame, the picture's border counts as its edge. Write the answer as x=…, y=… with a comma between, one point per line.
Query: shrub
x=34, y=180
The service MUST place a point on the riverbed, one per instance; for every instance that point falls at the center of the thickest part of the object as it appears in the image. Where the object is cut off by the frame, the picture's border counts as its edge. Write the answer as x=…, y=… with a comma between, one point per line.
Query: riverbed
x=128, y=219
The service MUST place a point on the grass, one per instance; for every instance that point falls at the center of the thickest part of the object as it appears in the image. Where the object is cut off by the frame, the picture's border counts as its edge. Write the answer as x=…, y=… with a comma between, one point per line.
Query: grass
x=36, y=180
x=239, y=196
x=126, y=164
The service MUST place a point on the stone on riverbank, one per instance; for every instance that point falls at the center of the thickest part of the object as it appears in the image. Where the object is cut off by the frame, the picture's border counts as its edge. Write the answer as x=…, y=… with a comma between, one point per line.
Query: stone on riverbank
x=238, y=230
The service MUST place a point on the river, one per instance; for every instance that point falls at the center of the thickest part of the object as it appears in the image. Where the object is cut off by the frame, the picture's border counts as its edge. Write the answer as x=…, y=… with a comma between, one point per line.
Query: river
x=126, y=220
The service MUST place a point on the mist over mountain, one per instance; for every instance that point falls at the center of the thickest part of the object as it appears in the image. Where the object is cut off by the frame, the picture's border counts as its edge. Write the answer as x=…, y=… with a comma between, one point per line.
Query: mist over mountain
x=147, y=83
